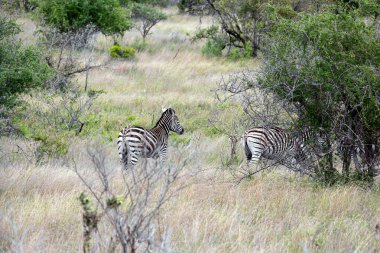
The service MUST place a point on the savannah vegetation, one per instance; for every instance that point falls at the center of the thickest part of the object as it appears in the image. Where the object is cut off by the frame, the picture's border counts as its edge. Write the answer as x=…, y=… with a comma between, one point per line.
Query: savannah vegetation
x=73, y=73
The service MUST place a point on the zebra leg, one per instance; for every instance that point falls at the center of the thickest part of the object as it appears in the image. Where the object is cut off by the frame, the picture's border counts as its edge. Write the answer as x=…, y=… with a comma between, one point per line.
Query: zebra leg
x=133, y=158
x=253, y=152
x=157, y=159
x=162, y=154
x=162, y=158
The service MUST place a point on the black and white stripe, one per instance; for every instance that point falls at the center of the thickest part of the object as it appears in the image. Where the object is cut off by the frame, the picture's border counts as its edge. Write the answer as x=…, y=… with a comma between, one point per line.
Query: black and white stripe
x=135, y=142
x=274, y=143
x=354, y=150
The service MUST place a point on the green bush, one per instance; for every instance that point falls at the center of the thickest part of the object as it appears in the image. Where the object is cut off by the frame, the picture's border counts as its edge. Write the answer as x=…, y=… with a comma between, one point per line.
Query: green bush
x=21, y=68
x=331, y=76
x=213, y=48
x=52, y=120
x=238, y=53
x=53, y=144
x=116, y=51
x=126, y=52
x=129, y=52
x=235, y=54
x=68, y=16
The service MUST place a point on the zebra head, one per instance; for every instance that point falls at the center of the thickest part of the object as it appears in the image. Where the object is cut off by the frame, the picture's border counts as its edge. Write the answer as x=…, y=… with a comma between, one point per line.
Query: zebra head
x=174, y=126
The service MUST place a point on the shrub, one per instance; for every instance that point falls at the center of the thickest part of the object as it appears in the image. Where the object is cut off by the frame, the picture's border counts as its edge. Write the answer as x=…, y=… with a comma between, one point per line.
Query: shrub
x=21, y=68
x=52, y=119
x=241, y=53
x=106, y=16
x=213, y=48
x=235, y=54
x=129, y=52
x=126, y=52
x=116, y=51
x=331, y=76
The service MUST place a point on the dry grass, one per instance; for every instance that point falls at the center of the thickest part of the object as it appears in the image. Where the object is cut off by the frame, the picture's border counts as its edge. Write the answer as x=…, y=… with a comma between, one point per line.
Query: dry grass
x=41, y=203
x=274, y=212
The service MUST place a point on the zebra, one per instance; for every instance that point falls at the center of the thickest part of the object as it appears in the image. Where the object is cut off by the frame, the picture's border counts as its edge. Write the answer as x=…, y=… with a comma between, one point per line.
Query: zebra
x=348, y=149
x=135, y=142
x=274, y=143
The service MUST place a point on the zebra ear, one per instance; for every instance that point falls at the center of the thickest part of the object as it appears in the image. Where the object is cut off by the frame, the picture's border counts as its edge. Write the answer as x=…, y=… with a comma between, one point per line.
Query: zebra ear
x=171, y=111
x=163, y=109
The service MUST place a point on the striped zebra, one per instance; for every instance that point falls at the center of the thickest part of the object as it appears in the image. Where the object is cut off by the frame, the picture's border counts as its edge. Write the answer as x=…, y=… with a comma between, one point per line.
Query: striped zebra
x=274, y=143
x=135, y=142
x=348, y=150
x=354, y=150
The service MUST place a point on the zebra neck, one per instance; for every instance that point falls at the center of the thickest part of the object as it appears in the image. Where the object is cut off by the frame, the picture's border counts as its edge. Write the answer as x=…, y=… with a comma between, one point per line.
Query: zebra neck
x=161, y=129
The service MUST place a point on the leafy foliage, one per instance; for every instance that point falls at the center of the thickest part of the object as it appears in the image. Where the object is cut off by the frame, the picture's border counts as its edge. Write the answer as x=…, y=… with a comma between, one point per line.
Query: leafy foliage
x=12, y=6
x=247, y=21
x=242, y=22
x=116, y=51
x=52, y=119
x=126, y=52
x=190, y=6
x=360, y=7
x=328, y=65
x=146, y=17
x=241, y=53
x=213, y=48
x=106, y=15
x=21, y=68
x=161, y=3
x=129, y=52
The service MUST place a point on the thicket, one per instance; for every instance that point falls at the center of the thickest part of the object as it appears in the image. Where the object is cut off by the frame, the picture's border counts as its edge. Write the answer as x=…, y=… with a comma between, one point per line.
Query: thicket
x=59, y=109
x=323, y=70
x=328, y=66
x=106, y=16
x=125, y=52
x=242, y=25
x=22, y=68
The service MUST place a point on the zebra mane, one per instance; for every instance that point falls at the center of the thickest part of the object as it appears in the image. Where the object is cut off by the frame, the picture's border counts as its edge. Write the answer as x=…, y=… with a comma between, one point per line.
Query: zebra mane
x=165, y=112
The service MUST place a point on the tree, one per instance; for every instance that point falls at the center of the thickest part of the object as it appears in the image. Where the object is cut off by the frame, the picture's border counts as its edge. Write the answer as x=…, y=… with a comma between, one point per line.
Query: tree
x=21, y=68
x=146, y=16
x=327, y=66
x=17, y=5
x=189, y=6
x=68, y=27
x=107, y=16
x=244, y=22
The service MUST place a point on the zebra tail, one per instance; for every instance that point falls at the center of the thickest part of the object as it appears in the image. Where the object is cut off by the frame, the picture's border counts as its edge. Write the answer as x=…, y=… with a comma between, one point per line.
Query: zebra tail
x=123, y=148
x=248, y=152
